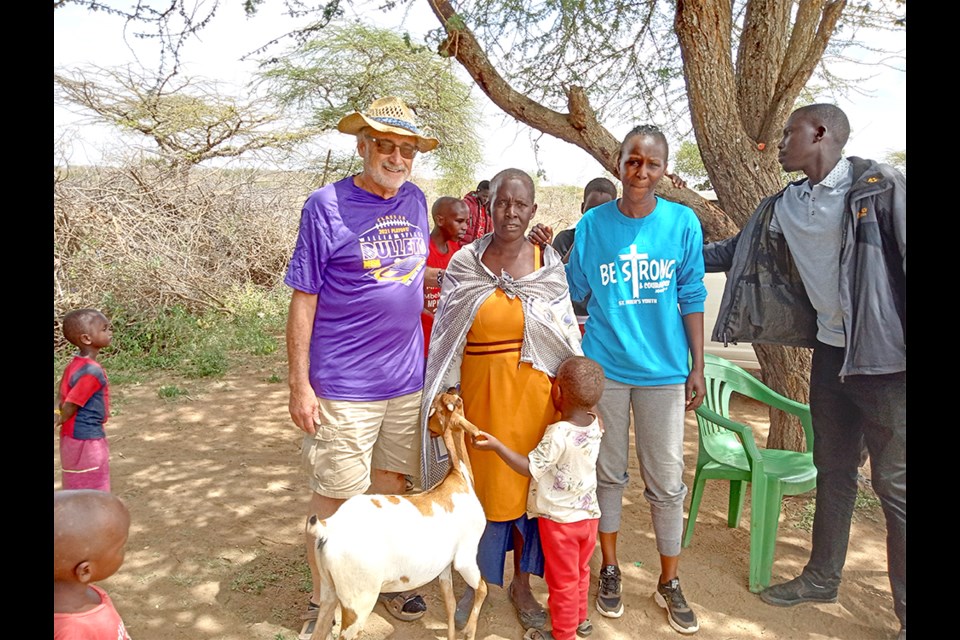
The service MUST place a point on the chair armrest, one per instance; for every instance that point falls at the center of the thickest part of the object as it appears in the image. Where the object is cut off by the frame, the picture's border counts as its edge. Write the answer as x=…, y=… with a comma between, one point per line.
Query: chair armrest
x=762, y=393
x=746, y=384
x=794, y=408
x=744, y=431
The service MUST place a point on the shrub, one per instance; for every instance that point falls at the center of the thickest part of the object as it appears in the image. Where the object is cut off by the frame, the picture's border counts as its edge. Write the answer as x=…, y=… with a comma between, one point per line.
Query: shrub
x=141, y=240
x=188, y=266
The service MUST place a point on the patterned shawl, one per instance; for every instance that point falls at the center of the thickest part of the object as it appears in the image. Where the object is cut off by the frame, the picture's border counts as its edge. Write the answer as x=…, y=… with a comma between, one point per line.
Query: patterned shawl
x=550, y=330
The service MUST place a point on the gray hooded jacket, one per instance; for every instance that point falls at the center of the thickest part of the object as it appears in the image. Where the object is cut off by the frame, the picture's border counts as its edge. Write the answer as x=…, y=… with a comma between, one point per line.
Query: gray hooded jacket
x=765, y=301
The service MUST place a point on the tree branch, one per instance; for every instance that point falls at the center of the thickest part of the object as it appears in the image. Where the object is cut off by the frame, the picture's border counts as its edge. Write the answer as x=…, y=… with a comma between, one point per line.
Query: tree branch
x=579, y=126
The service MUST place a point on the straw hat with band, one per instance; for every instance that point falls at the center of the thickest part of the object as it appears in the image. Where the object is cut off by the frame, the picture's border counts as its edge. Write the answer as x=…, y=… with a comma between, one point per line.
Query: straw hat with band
x=389, y=115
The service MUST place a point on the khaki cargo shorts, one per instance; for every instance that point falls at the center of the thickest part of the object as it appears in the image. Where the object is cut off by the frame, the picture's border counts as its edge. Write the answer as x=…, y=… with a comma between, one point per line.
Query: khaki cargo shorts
x=355, y=437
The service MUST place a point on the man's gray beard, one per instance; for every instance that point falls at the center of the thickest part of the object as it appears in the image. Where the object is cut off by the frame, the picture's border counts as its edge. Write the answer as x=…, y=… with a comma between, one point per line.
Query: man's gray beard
x=378, y=178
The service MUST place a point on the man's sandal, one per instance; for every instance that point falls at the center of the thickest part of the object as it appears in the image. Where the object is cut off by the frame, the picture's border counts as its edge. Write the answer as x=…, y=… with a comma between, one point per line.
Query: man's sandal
x=309, y=618
x=529, y=618
x=404, y=606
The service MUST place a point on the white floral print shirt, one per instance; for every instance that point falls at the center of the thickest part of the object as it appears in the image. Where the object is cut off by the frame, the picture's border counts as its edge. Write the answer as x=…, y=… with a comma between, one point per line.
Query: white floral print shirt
x=564, y=470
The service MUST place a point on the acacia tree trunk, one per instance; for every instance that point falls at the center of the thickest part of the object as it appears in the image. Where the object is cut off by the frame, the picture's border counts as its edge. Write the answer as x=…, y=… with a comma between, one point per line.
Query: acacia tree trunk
x=737, y=116
x=578, y=126
x=785, y=368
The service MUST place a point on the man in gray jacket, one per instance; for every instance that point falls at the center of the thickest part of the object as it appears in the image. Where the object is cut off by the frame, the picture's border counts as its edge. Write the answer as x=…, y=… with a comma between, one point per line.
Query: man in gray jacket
x=823, y=264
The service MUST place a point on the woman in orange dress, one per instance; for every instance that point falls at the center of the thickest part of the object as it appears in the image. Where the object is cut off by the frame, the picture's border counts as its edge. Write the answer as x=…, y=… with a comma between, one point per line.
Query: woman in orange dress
x=503, y=325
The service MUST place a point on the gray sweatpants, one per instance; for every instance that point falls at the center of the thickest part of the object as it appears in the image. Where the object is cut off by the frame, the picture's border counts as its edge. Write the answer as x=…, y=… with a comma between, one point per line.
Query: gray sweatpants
x=658, y=414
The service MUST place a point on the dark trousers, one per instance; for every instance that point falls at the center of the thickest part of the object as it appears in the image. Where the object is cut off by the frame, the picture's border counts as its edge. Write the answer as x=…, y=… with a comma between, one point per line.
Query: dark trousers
x=870, y=409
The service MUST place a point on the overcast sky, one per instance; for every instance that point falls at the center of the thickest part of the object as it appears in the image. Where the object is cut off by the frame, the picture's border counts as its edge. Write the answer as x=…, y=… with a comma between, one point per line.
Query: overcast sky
x=82, y=37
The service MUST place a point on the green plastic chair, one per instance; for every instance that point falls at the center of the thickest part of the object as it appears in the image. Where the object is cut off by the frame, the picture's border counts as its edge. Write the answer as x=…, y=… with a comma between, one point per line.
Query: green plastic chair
x=728, y=451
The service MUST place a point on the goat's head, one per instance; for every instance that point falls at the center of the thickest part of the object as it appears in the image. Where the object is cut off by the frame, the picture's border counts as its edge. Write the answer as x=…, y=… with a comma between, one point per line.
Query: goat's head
x=446, y=411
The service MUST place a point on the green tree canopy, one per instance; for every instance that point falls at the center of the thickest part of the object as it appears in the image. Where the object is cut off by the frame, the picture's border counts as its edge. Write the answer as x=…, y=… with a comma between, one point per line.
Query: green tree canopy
x=343, y=68
x=188, y=120
x=688, y=163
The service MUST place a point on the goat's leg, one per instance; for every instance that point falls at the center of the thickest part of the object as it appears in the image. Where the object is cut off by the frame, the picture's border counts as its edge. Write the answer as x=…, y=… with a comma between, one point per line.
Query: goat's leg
x=466, y=565
x=446, y=588
x=353, y=615
x=480, y=594
x=325, y=614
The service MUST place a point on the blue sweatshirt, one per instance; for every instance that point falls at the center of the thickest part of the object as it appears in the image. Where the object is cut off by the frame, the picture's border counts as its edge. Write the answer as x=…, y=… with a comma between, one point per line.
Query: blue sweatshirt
x=643, y=276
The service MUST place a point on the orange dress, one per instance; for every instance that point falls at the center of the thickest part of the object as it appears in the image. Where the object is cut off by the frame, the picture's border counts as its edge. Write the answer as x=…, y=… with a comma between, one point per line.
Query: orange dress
x=506, y=398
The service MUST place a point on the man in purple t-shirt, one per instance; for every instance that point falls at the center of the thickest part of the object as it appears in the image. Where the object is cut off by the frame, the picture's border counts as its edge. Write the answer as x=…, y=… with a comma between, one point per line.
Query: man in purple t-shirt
x=354, y=340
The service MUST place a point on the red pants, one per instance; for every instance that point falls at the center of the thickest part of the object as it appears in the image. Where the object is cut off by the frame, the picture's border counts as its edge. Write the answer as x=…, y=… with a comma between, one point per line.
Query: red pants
x=567, y=549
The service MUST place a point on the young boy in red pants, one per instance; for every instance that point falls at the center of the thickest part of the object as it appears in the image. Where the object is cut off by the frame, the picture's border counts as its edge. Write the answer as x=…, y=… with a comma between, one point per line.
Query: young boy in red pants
x=563, y=494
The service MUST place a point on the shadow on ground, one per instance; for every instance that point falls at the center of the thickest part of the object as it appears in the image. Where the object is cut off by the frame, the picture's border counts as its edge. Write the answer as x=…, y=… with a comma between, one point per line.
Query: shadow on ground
x=215, y=552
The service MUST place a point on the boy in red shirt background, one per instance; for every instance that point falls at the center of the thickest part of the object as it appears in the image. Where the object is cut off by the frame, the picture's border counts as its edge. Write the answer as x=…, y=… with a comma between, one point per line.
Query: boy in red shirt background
x=83, y=404
x=450, y=217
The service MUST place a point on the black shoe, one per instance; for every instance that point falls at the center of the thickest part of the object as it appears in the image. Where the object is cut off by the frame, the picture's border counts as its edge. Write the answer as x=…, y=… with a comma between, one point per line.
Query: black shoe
x=679, y=614
x=800, y=589
x=608, y=592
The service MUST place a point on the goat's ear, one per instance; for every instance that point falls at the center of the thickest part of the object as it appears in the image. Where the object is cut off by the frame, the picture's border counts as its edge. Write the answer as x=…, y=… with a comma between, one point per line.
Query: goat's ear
x=433, y=410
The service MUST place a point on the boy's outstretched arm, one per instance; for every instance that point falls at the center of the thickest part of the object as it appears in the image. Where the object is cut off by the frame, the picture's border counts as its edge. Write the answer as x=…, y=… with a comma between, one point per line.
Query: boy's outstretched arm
x=486, y=442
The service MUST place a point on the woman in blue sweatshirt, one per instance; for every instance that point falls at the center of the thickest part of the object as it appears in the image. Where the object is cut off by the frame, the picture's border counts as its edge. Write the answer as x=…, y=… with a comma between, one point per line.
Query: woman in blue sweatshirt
x=640, y=258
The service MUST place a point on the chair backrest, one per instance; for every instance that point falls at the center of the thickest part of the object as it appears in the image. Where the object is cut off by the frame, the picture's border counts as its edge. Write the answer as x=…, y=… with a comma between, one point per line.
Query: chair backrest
x=723, y=378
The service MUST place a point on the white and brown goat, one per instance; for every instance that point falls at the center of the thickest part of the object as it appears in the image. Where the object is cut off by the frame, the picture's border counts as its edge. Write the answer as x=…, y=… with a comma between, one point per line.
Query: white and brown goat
x=387, y=543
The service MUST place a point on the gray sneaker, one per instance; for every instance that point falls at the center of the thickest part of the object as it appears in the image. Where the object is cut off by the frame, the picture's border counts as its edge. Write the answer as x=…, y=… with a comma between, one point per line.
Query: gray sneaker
x=608, y=592
x=585, y=628
x=679, y=614
x=800, y=589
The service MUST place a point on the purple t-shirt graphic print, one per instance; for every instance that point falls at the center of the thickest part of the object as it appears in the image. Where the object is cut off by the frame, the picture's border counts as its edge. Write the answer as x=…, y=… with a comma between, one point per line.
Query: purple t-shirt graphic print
x=364, y=257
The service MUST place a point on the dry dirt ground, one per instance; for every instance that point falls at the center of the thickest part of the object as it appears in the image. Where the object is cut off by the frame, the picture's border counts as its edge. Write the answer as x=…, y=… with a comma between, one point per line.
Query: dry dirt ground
x=215, y=551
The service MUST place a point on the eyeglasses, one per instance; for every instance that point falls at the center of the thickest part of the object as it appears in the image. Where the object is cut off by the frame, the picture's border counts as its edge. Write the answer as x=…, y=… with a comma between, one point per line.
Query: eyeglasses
x=386, y=147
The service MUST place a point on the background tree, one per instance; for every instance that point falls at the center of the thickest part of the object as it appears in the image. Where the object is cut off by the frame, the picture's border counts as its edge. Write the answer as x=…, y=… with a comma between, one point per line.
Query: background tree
x=732, y=71
x=737, y=68
x=688, y=163
x=342, y=68
x=897, y=159
x=188, y=120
